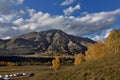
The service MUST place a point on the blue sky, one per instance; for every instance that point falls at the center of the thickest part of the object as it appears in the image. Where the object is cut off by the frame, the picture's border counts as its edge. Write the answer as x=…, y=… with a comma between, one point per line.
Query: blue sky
x=89, y=18
x=54, y=6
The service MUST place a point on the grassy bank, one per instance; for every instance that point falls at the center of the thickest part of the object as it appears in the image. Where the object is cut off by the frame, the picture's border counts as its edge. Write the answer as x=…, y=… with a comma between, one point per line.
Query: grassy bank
x=106, y=68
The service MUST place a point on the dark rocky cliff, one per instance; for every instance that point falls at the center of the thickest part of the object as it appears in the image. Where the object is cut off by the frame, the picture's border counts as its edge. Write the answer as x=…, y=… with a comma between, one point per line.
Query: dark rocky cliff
x=48, y=42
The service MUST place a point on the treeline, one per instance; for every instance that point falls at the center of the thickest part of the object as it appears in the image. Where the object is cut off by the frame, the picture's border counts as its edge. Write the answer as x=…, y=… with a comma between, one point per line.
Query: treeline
x=26, y=61
x=23, y=61
x=2, y=63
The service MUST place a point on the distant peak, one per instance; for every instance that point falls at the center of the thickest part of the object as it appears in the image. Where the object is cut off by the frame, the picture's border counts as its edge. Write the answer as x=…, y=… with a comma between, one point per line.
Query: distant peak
x=54, y=30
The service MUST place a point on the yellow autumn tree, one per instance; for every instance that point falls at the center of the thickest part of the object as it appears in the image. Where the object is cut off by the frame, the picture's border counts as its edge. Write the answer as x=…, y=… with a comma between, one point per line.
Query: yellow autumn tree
x=79, y=58
x=7, y=63
x=10, y=64
x=113, y=41
x=96, y=50
x=2, y=63
x=56, y=63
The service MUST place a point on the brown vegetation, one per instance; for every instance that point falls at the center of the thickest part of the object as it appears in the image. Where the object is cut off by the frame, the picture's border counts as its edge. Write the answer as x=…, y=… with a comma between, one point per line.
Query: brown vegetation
x=79, y=58
x=56, y=63
x=100, y=49
x=7, y=64
x=113, y=41
x=96, y=50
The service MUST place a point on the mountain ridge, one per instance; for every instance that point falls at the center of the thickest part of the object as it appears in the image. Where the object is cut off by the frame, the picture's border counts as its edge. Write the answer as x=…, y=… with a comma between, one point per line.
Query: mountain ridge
x=49, y=42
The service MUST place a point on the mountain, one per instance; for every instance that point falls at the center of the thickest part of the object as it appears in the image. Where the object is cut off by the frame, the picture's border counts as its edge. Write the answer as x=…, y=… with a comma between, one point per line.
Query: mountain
x=48, y=42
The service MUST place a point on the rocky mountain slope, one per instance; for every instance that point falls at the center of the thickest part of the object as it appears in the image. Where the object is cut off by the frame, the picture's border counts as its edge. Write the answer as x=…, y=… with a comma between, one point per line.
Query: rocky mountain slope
x=49, y=42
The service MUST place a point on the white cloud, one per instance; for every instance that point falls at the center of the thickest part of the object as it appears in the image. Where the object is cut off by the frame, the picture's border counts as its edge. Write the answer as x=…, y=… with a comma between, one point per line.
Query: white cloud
x=6, y=6
x=71, y=9
x=67, y=2
x=97, y=38
x=78, y=26
x=17, y=2
x=19, y=21
x=31, y=11
x=1, y=20
x=6, y=38
x=101, y=35
x=107, y=33
x=8, y=18
x=20, y=1
x=8, y=10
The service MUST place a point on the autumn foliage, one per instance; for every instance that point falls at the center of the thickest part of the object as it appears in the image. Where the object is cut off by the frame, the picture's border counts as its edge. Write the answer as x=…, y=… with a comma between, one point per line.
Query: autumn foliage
x=7, y=64
x=113, y=41
x=79, y=58
x=56, y=63
x=96, y=50
x=100, y=49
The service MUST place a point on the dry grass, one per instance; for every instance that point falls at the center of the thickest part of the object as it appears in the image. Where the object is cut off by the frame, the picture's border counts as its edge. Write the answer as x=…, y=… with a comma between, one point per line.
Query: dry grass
x=106, y=68
x=24, y=78
x=41, y=72
x=37, y=70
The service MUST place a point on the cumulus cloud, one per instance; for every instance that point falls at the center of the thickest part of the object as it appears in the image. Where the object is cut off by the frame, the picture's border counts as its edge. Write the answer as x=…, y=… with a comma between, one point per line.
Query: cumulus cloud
x=67, y=2
x=107, y=33
x=98, y=38
x=8, y=13
x=1, y=20
x=71, y=9
x=101, y=35
x=6, y=38
x=19, y=22
x=20, y=1
x=9, y=17
x=8, y=10
x=6, y=6
x=79, y=26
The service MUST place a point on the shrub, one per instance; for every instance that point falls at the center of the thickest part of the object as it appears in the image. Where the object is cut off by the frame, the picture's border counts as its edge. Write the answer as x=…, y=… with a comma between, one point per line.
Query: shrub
x=10, y=64
x=113, y=41
x=7, y=63
x=79, y=58
x=2, y=63
x=96, y=50
x=56, y=63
